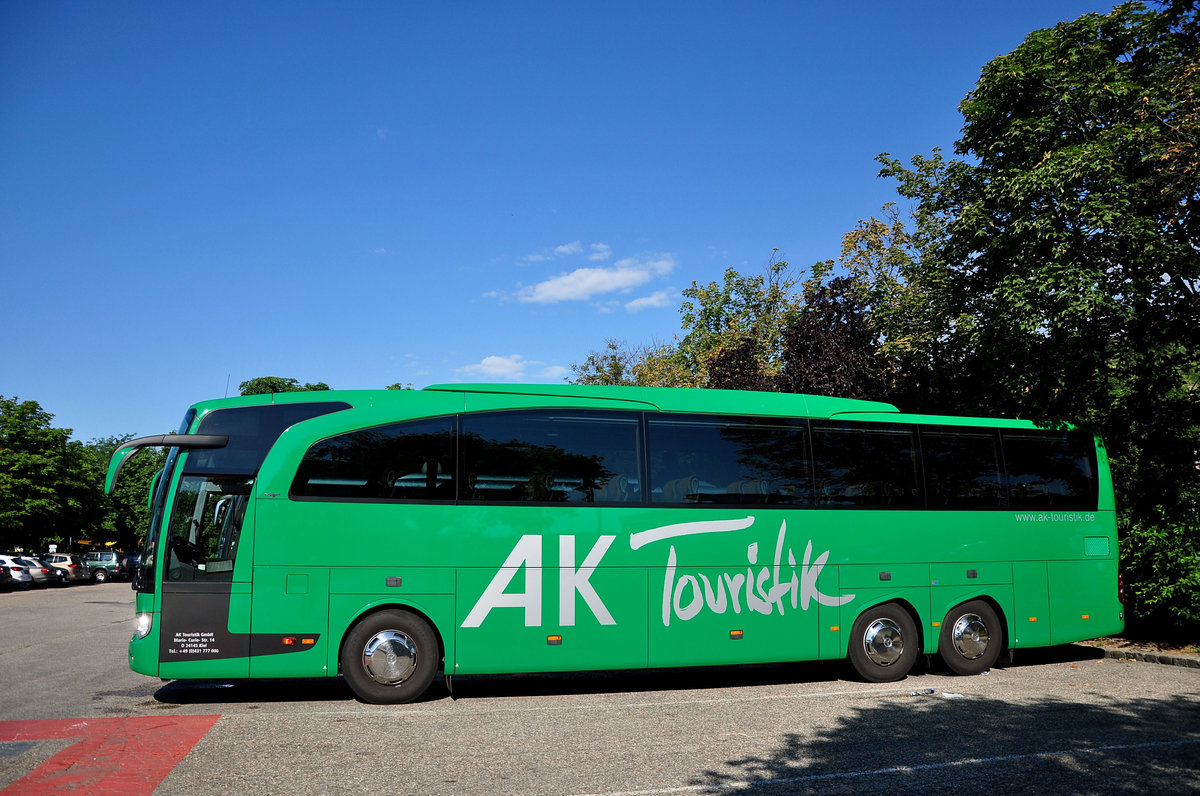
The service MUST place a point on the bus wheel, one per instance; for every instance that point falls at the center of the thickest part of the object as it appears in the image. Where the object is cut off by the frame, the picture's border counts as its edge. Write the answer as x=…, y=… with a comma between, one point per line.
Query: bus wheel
x=971, y=638
x=884, y=644
x=390, y=657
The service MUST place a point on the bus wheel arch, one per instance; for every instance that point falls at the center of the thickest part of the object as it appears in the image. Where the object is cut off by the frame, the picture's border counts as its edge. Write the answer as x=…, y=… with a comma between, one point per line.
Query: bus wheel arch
x=973, y=636
x=885, y=642
x=390, y=655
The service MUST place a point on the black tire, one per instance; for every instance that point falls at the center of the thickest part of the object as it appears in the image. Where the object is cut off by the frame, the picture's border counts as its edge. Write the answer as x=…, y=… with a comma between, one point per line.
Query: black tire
x=884, y=643
x=100, y=575
x=972, y=638
x=390, y=657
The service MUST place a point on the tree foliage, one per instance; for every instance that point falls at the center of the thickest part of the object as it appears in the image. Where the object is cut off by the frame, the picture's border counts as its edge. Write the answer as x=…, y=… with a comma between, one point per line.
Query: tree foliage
x=126, y=512
x=614, y=364
x=1050, y=271
x=731, y=337
x=45, y=489
x=830, y=346
x=1064, y=263
x=263, y=385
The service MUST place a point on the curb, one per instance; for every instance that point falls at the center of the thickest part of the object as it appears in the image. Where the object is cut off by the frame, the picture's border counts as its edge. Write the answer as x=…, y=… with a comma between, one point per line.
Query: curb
x=1190, y=661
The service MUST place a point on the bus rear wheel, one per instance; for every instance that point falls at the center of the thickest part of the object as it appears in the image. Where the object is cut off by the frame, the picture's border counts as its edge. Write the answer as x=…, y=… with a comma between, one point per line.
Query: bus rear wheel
x=971, y=638
x=390, y=657
x=884, y=643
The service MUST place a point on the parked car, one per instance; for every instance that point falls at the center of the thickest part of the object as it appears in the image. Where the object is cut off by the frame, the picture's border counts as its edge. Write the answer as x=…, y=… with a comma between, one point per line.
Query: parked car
x=20, y=573
x=133, y=568
x=6, y=580
x=106, y=564
x=43, y=574
x=74, y=565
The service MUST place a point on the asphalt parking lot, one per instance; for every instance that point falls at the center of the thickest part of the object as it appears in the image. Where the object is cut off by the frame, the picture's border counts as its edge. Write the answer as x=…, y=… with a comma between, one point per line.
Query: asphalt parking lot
x=74, y=717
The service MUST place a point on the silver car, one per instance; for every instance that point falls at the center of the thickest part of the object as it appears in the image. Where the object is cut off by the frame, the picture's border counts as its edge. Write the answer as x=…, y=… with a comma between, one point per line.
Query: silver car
x=43, y=574
x=22, y=579
x=74, y=565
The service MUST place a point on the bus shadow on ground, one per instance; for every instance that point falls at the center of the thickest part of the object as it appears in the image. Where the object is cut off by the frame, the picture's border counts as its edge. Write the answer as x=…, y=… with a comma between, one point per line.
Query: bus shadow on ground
x=978, y=744
x=208, y=692
x=214, y=692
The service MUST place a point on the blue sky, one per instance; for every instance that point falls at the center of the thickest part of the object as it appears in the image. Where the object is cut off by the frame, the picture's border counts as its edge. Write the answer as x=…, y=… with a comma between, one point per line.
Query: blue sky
x=192, y=195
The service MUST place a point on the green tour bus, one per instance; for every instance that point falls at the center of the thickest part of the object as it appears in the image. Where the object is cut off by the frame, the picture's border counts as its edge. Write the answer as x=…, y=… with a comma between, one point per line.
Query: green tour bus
x=387, y=536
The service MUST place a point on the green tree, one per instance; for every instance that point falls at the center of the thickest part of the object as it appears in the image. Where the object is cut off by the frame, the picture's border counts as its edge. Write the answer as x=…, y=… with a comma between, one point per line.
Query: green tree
x=741, y=313
x=45, y=491
x=829, y=346
x=612, y=365
x=1063, y=267
x=126, y=511
x=731, y=335
x=264, y=385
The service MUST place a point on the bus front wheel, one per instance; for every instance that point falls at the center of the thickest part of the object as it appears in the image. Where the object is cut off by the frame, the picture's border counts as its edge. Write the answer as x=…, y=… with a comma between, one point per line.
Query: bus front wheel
x=971, y=638
x=390, y=657
x=884, y=643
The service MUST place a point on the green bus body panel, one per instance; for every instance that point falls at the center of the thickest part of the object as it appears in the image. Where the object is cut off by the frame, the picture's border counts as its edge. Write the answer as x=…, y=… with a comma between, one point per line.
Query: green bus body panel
x=1077, y=589
x=522, y=588
x=1029, y=624
x=143, y=652
x=289, y=602
x=375, y=580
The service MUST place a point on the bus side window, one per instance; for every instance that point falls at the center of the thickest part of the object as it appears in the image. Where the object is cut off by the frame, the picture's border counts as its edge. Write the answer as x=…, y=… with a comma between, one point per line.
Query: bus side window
x=721, y=460
x=962, y=468
x=1050, y=469
x=550, y=456
x=865, y=464
x=413, y=460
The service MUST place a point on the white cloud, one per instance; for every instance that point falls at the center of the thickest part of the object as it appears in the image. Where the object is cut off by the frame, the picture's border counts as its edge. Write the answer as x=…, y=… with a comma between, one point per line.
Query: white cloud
x=554, y=373
x=513, y=368
x=507, y=368
x=659, y=298
x=575, y=247
x=584, y=283
x=600, y=251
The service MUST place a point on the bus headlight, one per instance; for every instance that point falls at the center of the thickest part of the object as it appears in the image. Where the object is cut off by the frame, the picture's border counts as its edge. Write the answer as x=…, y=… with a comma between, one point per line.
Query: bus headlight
x=142, y=622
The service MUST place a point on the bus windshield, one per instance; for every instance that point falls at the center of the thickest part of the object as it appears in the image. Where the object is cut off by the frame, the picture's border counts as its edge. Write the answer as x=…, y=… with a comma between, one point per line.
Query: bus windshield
x=220, y=460
x=206, y=523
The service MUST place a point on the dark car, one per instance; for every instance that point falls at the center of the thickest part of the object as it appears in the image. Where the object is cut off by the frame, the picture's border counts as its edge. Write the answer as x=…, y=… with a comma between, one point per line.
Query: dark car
x=106, y=564
x=133, y=567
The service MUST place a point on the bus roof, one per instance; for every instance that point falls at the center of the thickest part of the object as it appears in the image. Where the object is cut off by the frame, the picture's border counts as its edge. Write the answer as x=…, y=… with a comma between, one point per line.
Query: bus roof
x=669, y=399
x=682, y=399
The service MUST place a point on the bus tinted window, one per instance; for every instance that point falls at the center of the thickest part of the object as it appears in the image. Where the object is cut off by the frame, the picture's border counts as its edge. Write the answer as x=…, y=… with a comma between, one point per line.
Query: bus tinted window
x=403, y=461
x=962, y=468
x=252, y=430
x=551, y=456
x=722, y=460
x=865, y=464
x=1050, y=470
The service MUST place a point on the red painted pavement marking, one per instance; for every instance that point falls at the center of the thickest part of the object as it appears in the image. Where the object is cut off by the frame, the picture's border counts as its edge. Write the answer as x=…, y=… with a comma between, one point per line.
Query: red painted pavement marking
x=127, y=756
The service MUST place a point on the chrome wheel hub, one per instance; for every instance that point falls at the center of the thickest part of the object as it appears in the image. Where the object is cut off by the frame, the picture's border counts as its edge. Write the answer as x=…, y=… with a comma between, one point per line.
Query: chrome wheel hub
x=883, y=642
x=970, y=636
x=390, y=657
